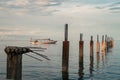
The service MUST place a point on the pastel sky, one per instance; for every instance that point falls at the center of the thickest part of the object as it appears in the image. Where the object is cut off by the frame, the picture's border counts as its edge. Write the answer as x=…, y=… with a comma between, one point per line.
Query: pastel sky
x=48, y=17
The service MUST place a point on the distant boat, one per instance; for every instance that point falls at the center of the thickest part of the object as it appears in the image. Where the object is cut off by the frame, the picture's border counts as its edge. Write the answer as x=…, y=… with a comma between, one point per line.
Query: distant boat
x=43, y=41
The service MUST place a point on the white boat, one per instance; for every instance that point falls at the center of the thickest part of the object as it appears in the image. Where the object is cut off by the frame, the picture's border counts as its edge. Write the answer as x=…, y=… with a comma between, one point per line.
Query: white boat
x=42, y=41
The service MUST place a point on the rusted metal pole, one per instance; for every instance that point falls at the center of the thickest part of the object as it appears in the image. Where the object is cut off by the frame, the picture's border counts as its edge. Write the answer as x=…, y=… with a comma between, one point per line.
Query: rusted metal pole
x=65, y=53
x=81, y=45
x=98, y=45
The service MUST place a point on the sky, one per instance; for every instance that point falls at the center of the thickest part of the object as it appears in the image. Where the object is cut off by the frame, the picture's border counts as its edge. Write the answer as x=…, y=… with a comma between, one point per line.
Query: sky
x=48, y=17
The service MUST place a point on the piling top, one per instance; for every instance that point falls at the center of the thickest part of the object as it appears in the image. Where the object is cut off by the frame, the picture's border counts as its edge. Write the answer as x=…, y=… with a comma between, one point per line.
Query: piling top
x=81, y=36
x=97, y=38
x=66, y=32
x=105, y=37
x=91, y=38
x=16, y=50
x=102, y=37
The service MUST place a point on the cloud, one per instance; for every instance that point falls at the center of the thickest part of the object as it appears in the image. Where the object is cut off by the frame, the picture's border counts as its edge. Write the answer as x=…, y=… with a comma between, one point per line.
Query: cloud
x=18, y=2
x=28, y=7
x=23, y=30
x=12, y=30
x=41, y=2
x=47, y=17
x=19, y=12
x=113, y=7
x=51, y=7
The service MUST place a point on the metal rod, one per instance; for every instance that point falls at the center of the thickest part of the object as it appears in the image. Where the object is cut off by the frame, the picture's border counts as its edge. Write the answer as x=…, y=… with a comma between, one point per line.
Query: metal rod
x=66, y=32
x=37, y=47
x=38, y=50
x=81, y=36
x=34, y=57
x=41, y=55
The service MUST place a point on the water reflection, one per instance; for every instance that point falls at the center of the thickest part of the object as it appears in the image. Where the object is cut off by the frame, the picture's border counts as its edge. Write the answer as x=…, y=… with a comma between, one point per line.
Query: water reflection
x=107, y=56
x=103, y=54
x=65, y=76
x=98, y=59
x=81, y=73
x=91, y=67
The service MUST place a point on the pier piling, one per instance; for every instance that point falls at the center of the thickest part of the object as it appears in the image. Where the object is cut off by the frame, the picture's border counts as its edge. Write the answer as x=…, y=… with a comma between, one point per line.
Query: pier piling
x=81, y=45
x=14, y=62
x=91, y=46
x=98, y=45
x=104, y=44
x=91, y=54
x=65, y=53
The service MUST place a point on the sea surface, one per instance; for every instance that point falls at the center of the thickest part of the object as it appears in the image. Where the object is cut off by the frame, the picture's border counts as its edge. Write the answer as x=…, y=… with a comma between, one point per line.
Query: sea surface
x=106, y=67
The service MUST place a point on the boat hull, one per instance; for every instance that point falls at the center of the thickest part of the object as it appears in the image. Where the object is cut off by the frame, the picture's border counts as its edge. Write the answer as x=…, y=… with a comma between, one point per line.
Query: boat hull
x=51, y=42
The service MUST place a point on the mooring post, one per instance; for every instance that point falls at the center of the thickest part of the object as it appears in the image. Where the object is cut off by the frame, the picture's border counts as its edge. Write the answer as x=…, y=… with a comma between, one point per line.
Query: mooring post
x=91, y=46
x=65, y=54
x=98, y=45
x=112, y=42
x=106, y=43
x=81, y=45
x=14, y=63
x=14, y=60
x=98, y=51
x=14, y=67
x=103, y=44
x=91, y=54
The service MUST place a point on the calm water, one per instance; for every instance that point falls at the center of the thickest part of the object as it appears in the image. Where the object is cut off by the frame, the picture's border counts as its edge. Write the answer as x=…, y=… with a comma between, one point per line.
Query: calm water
x=107, y=68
